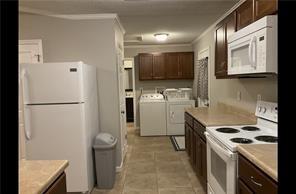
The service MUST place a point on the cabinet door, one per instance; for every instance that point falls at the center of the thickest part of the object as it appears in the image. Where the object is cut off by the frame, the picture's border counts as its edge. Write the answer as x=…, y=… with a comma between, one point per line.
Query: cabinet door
x=265, y=7
x=193, y=148
x=243, y=189
x=226, y=28
x=198, y=168
x=145, y=66
x=245, y=14
x=220, y=53
x=186, y=61
x=172, y=66
x=186, y=138
x=158, y=66
x=203, y=146
x=59, y=186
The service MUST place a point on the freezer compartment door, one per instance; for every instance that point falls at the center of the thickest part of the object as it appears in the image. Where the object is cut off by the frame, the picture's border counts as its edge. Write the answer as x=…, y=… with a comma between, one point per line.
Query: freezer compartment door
x=52, y=82
x=58, y=133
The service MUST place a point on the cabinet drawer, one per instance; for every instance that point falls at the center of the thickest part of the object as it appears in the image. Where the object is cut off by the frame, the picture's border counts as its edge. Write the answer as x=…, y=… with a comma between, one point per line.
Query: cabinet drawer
x=189, y=119
x=200, y=129
x=257, y=180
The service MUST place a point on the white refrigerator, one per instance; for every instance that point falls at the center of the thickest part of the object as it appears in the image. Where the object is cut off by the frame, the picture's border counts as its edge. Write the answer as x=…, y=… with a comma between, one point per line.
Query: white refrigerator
x=61, y=117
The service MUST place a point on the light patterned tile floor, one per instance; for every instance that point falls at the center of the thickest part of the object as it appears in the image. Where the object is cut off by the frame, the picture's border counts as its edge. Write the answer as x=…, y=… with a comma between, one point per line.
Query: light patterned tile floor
x=152, y=166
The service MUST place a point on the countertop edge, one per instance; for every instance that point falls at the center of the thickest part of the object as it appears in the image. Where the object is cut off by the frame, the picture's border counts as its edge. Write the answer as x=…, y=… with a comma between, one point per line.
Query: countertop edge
x=261, y=165
x=51, y=179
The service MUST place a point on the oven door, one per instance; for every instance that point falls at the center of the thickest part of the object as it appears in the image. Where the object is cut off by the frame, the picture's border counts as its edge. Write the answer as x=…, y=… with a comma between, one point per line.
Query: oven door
x=221, y=167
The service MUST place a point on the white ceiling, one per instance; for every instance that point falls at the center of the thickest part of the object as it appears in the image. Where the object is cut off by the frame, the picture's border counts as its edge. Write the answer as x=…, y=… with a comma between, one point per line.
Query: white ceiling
x=184, y=20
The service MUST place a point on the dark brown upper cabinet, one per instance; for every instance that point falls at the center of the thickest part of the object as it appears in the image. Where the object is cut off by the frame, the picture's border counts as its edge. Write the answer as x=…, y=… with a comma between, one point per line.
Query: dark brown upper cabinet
x=264, y=7
x=223, y=30
x=146, y=66
x=248, y=12
x=160, y=66
x=244, y=14
x=172, y=66
x=252, y=10
x=186, y=61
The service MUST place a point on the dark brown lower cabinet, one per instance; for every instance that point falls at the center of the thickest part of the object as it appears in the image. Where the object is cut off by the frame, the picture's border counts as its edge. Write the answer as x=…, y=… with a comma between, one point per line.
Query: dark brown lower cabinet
x=253, y=180
x=243, y=188
x=203, y=163
x=59, y=186
x=196, y=148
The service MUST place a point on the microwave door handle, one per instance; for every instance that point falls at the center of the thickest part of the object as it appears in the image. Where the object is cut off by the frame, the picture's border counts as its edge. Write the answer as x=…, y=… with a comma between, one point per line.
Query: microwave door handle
x=218, y=148
x=252, y=57
x=255, y=54
x=250, y=50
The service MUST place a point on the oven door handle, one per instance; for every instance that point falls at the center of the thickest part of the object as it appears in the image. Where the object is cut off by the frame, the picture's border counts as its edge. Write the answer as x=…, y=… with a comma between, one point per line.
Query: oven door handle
x=218, y=148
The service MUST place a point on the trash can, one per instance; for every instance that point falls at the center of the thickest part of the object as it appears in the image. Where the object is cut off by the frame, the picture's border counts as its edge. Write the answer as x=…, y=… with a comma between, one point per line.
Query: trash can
x=105, y=158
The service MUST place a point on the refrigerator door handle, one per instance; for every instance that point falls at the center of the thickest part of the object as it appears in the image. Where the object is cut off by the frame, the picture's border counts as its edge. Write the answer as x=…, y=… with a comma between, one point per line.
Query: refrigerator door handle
x=27, y=122
x=25, y=86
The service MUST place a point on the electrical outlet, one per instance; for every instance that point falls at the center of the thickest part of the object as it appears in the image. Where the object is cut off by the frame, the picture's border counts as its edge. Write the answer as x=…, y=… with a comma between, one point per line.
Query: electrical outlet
x=238, y=95
x=258, y=97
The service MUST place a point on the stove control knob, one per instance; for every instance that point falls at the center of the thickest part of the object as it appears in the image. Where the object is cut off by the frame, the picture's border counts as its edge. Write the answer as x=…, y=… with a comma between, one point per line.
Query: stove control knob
x=264, y=110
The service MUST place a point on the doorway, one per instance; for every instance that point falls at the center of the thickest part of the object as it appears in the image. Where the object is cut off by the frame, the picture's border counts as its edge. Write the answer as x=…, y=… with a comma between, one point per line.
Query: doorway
x=129, y=86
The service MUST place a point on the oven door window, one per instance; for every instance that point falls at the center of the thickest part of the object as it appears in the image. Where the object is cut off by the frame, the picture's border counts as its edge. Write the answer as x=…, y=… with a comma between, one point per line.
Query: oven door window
x=218, y=169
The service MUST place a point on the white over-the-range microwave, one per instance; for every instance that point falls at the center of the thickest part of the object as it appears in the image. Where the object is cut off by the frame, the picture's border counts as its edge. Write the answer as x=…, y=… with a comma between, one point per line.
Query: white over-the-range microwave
x=253, y=49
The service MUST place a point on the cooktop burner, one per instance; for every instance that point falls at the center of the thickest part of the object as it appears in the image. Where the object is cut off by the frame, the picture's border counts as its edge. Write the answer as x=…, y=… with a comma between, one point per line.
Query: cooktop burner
x=241, y=140
x=227, y=130
x=267, y=138
x=250, y=128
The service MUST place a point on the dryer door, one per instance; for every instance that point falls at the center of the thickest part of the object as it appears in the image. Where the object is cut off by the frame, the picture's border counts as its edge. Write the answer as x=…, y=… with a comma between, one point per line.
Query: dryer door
x=176, y=112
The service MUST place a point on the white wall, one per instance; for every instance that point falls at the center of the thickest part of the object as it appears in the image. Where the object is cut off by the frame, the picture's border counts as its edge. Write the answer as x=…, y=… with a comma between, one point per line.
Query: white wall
x=90, y=41
x=149, y=86
x=225, y=90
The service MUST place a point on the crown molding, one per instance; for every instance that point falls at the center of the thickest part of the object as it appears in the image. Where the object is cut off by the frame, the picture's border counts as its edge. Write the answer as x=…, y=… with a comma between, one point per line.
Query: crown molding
x=211, y=27
x=156, y=45
x=74, y=16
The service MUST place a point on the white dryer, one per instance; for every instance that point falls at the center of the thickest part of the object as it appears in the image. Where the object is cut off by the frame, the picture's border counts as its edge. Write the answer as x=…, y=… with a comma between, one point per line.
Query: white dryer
x=175, y=115
x=177, y=101
x=152, y=115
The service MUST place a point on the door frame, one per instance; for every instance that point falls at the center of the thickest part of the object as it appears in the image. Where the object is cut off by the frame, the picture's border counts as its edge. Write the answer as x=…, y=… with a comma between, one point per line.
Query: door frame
x=134, y=89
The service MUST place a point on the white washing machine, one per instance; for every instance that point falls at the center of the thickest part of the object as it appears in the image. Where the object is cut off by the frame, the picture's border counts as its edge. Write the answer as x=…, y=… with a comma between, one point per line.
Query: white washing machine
x=152, y=115
x=177, y=101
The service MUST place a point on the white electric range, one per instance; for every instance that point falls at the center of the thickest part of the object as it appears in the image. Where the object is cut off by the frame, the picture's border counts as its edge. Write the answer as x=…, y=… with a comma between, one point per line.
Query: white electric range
x=222, y=144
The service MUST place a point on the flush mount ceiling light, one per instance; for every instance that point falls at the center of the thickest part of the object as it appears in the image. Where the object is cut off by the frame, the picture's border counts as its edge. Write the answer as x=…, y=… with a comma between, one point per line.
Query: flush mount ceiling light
x=161, y=36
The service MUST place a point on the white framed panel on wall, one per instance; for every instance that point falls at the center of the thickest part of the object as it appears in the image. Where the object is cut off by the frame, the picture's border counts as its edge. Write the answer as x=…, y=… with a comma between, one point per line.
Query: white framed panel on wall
x=30, y=51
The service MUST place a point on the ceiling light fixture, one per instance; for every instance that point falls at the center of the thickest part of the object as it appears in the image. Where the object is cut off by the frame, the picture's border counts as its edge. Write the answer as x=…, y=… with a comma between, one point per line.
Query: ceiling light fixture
x=161, y=36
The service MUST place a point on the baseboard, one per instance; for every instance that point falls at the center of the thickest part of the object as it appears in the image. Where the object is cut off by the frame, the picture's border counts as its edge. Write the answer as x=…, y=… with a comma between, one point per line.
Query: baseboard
x=119, y=168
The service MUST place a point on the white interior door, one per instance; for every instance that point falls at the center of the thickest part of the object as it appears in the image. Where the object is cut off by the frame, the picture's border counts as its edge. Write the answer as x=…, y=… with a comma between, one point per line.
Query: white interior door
x=122, y=107
x=30, y=51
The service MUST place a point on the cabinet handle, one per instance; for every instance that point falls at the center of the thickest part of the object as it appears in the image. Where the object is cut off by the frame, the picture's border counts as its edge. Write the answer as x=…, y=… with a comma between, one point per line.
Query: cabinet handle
x=258, y=184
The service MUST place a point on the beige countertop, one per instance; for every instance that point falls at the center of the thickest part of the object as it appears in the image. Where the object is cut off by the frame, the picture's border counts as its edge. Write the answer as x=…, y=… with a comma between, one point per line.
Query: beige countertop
x=262, y=155
x=35, y=176
x=220, y=115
